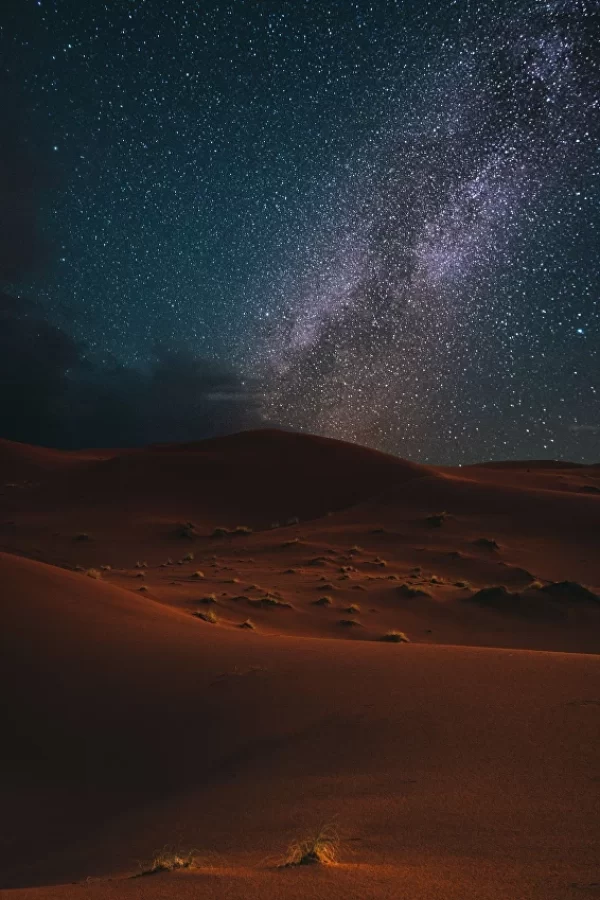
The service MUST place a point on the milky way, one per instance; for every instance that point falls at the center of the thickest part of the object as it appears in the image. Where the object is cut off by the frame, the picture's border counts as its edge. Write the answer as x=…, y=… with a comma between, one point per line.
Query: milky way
x=384, y=214
x=429, y=328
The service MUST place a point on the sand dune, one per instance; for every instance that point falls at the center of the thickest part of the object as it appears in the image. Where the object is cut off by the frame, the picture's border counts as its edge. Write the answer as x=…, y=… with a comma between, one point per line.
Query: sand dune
x=463, y=764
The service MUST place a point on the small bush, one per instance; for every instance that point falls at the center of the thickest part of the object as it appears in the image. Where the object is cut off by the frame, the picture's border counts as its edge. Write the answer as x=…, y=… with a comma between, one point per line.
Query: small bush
x=395, y=637
x=348, y=623
x=197, y=574
x=436, y=520
x=186, y=530
x=353, y=609
x=168, y=859
x=141, y=565
x=321, y=848
x=188, y=557
x=208, y=616
x=322, y=601
x=220, y=531
x=241, y=529
x=486, y=543
x=93, y=573
x=210, y=598
x=248, y=624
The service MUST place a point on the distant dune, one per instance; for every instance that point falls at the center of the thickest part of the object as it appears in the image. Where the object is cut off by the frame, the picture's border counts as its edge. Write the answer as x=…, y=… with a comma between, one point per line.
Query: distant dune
x=418, y=670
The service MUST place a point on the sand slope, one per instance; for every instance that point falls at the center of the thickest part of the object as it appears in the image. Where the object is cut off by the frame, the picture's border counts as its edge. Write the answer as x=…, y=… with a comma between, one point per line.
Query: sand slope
x=449, y=771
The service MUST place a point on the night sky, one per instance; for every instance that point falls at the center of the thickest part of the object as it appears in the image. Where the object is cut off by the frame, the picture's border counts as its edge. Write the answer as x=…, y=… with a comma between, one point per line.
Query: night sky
x=378, y=221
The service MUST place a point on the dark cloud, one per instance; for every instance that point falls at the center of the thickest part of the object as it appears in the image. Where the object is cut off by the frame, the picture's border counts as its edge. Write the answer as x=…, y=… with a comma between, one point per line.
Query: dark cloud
x=52, y=394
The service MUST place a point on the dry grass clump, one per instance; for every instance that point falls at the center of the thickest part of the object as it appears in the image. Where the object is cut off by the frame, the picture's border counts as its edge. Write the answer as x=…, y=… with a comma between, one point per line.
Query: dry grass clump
x=220, y=531
x=436, y=520
x=210, y=598
x=486, y=543
x=186, y=530
x=197, y=574
x=168, y=859
x=269, y=601
x=241, y=529
x=208, y=616
x=353, y=609
x=319, y=849
x=248, y=624
x=322, y=601
x=407, y=590
x=348, y=623
x=141, y=565
x=106, y=568
x=93, y=573
x=395, y=637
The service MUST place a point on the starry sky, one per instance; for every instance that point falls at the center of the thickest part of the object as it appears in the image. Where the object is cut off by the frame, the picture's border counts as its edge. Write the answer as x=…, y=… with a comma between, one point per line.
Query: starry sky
x=377, y=221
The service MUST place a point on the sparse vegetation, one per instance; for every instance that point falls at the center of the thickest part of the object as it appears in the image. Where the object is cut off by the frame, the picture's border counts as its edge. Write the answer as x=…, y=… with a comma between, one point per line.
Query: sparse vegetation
x=321, y=848
x=395, y=637
x=93, y=573
x=210, y=598
x=322, y=601
x=206, y=616
x=186, y=530
x=106, y=568
x=248, y=624
x=436, y=520
x=269, y=601
x=241, y=529
x=82, y=536
x=188, y=557
x=462, y=584
x=353, y=609
x=348, y=623
x=168, y=859
x=220, y=531
x=293, y=520
x=407, y=590
x=141, y=565
x=197, y=574
x=486, y=543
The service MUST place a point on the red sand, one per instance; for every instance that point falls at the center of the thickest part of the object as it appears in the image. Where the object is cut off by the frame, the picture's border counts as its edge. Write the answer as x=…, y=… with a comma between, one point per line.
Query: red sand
x=450, y=768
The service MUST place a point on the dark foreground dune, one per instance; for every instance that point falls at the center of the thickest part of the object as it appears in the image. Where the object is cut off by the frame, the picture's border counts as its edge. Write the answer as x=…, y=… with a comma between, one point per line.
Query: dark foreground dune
x=462, y=764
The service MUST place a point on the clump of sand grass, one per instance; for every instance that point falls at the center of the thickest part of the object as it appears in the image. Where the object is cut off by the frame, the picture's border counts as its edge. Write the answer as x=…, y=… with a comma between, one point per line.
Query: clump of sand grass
x=208, y=616
x=168, y=859
x=395, y=637
x=318, y=849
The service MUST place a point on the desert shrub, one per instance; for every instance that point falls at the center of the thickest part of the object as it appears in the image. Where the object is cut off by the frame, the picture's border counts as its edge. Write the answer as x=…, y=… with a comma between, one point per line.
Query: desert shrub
x=486, y=543
x=395, y=637
x=248, y=624
x=93, y=573
x=436, y=519
x=208, y=616
x=322, y=601
x=168, y=859
x=321, y=848
x=348, y=623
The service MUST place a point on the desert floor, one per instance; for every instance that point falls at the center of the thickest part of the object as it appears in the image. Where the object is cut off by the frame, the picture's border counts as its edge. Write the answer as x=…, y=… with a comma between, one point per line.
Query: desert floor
x=196, y=657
